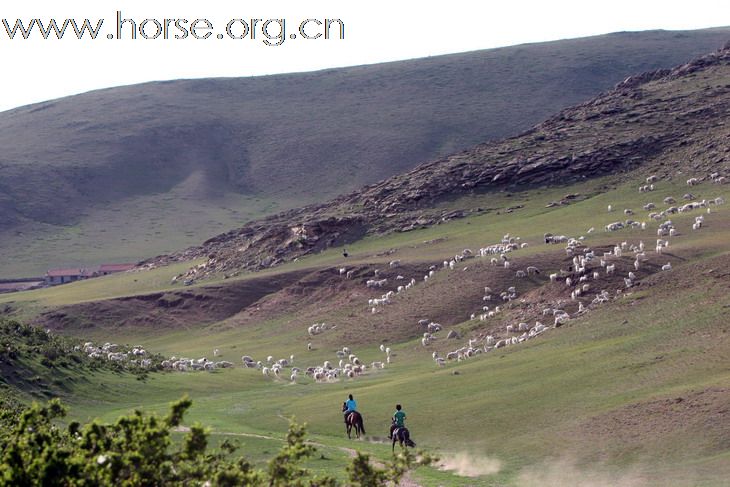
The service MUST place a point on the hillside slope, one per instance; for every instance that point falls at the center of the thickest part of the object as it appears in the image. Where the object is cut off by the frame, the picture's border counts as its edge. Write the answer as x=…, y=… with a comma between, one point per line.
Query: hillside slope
x=106, y=175
x=631, y=390
x=671, y=122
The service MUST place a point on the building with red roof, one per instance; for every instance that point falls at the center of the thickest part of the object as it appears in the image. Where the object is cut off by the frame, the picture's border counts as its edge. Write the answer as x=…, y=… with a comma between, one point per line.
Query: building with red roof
x=62, y=276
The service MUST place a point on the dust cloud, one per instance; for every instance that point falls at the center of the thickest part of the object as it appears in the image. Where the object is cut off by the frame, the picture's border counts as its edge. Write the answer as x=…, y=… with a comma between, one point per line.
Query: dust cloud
x=469, y=465
x=563, y=473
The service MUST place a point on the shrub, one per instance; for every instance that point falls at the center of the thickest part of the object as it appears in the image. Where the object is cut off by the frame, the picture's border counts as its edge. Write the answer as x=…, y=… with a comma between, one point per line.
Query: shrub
x=137, y=450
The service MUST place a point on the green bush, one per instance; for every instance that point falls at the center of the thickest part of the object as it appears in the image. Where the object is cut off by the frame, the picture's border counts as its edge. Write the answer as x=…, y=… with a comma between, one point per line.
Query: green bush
x=137, y=450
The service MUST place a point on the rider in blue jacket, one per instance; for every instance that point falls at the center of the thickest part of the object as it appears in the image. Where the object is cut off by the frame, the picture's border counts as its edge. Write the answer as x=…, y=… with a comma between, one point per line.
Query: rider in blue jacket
x=350, y=406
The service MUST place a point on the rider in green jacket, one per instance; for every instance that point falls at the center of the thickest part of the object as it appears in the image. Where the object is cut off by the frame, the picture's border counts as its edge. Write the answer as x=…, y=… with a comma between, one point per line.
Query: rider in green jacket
x=399, y=418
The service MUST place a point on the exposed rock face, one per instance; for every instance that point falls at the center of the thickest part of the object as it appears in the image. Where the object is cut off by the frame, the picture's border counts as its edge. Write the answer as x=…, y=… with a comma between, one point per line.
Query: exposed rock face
x=663, y=121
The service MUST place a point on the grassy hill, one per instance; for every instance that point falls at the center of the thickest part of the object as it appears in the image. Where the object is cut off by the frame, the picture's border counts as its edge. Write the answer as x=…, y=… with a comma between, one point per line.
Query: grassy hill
x=632, y=392
x=107, y=175
x=631, y=387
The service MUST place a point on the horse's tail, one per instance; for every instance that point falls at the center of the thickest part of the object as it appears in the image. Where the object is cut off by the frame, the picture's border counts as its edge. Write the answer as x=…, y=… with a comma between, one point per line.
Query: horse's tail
x=407, y=438
x=362, y=425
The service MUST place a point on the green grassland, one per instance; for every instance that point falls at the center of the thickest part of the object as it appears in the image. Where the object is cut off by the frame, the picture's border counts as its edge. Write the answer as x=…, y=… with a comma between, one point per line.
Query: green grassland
x=633, y=393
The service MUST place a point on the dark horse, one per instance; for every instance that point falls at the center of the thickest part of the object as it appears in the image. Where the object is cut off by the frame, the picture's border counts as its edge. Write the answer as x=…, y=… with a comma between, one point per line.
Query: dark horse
x=403, y=436
x=353, y=420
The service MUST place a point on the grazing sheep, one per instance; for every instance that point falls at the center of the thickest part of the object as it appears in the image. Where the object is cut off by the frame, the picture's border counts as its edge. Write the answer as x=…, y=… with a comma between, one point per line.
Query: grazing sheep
x=612, y=227
x=533, y=270
x=692, y=182
x=560, y=320
x=667, y=266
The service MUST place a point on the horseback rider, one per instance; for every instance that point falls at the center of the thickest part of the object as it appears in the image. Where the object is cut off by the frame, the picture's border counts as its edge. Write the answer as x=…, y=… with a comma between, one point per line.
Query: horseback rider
x=399, y=418
x=349, y=407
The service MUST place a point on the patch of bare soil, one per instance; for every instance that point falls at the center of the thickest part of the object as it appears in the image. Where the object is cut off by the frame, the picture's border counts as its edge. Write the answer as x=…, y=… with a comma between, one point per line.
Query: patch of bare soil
x=183, y=308
x=701, y=414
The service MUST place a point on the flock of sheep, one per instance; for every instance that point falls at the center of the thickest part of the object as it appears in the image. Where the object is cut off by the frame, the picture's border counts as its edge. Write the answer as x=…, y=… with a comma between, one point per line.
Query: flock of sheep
x=348, y=365
x=134, y=356
x=588, y=267
x=582, y=279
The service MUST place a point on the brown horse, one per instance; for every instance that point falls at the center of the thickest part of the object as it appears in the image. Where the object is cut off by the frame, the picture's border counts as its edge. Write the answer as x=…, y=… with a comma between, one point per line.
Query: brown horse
x=402, y=436
x=353, y=420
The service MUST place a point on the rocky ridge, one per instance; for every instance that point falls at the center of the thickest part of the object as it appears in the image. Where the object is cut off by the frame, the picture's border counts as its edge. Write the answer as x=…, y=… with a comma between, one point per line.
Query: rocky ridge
x=664, y=121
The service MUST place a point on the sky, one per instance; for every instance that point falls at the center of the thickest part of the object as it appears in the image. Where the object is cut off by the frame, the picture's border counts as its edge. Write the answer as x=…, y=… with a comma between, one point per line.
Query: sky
x=227, y=41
